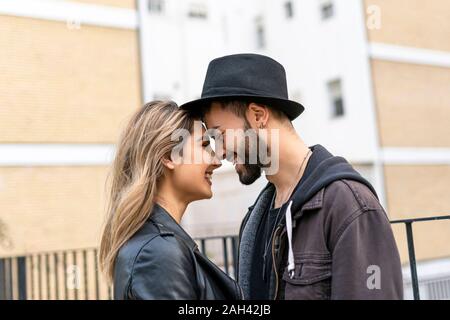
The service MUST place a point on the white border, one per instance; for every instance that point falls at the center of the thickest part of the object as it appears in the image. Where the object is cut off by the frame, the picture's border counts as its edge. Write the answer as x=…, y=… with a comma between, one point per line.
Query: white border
x=431, y=270
x=55, y=154
x=378, y=164
x=402, y=54
x=144, y=47
x=428, y=269
x=92, y=154
x=416, y=156
x=72, y=12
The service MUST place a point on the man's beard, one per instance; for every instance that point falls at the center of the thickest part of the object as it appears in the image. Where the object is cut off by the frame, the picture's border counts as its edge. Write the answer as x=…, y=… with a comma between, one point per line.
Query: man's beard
x=250, y=172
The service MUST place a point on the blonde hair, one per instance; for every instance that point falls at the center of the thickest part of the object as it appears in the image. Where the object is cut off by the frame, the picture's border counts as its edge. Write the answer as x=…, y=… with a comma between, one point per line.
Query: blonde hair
x=136, y=170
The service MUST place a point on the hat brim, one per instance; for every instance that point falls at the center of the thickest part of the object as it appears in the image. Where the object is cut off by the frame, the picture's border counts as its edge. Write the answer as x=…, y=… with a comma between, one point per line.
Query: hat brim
x=291, y=108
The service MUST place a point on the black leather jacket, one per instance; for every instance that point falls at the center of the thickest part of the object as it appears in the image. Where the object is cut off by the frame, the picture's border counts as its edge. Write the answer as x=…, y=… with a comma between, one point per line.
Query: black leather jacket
x=161, y=261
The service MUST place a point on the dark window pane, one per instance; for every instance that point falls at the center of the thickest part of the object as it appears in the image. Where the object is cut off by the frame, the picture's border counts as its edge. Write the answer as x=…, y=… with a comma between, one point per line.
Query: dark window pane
x=289, y=9
x=156, y=6
x=338, y=107
x=327, y=10
x=336, y=98
x=198, y=10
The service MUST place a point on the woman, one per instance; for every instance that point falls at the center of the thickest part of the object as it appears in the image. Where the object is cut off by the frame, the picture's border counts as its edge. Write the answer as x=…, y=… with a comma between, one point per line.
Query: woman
x=144, y=249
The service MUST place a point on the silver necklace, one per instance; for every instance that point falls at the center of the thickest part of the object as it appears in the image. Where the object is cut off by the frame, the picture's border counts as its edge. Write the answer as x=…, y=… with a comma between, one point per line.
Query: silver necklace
x=278, y=213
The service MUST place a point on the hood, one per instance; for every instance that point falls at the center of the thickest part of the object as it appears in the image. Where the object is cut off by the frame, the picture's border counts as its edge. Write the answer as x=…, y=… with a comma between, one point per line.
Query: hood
x=326, y=169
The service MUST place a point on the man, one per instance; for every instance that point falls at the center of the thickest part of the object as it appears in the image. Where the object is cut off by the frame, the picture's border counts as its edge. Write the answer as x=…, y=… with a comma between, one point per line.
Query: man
x=317, y=230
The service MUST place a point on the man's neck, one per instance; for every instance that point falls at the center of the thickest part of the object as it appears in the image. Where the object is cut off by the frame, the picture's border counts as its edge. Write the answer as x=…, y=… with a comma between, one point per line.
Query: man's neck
x=292, y=153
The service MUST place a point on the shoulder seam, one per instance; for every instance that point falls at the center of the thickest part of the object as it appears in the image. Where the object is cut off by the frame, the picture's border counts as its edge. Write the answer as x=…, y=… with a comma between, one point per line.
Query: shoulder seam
x=349, y=221
x=357, y=196
x=128, y=287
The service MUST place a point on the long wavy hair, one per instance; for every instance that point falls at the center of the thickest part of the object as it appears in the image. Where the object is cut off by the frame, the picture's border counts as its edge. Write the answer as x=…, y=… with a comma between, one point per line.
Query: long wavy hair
x=136, y=170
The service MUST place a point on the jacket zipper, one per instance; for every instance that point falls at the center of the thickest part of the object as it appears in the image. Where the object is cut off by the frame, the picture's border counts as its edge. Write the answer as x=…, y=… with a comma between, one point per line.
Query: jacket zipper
x=274, y=262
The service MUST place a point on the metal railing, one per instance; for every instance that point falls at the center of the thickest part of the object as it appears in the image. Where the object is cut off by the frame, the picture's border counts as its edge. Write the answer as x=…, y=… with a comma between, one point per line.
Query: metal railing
x=411, y=251
x=74, y=274
x=71, y=274
x=229, y=249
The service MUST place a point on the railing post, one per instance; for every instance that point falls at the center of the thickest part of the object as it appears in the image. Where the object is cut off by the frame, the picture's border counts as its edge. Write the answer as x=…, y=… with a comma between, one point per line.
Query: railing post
x=66, y=290
x=2, y=279
x=39, y=270
x=22, y=275
x=31, y=262
x=225, y=254
x=8, y=267
x=412, y=260
x=56, y=273
x=203, y=246
x=75, y=266
x=47, y=276
x=85, y=276
x=97, y=293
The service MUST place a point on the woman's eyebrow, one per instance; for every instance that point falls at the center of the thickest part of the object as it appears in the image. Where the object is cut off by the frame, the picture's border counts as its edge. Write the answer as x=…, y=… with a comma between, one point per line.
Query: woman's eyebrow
x=215, y=128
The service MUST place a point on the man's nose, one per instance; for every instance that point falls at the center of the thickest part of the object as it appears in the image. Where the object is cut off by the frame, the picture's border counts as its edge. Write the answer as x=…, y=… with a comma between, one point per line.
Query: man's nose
x=216, y=163
x=220, y=153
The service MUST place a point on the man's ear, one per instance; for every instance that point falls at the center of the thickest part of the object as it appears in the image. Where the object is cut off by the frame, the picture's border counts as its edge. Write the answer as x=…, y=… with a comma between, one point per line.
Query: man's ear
x=257, y=115
x=168, y=163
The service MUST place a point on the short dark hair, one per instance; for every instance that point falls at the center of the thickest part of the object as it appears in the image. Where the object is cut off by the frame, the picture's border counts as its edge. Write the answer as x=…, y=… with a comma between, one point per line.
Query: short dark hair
x=239, y=108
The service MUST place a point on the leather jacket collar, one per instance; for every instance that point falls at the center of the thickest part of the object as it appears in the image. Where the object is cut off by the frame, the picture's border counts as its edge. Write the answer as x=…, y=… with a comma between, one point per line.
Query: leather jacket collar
x=167, y=225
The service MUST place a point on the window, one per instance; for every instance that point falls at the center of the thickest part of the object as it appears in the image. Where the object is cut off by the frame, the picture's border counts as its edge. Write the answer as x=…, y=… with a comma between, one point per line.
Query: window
x=336, y=98
x=156, y=6
x=198, y=10
x=327, y=9
x=260, y=34
x=289, y=10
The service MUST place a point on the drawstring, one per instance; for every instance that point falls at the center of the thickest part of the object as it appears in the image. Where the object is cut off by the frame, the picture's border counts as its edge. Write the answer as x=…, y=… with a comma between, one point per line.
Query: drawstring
x=291, y=262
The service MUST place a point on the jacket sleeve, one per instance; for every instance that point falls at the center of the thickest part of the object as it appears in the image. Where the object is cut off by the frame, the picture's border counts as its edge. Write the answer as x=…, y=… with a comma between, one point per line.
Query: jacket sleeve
x=163, y=271
x=366, y=263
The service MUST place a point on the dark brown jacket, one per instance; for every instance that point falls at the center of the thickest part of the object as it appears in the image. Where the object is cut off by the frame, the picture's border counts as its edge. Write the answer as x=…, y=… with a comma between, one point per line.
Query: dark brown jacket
x=343, y=246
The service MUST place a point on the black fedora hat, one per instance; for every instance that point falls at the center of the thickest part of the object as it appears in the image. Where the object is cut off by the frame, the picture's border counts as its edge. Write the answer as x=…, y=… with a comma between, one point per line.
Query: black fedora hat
x=250, y=77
